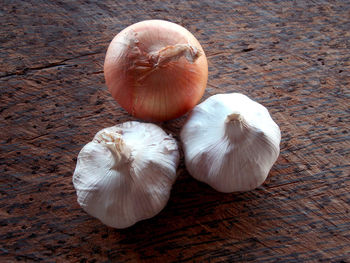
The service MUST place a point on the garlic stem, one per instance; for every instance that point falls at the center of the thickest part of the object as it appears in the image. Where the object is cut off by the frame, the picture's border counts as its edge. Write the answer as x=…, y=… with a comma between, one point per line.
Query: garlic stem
x=236, y=127
x=116, y=145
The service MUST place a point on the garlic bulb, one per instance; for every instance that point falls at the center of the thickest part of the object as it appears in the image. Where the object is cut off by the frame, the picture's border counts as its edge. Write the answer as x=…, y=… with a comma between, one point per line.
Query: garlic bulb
x=125, y=174
x=230, y=142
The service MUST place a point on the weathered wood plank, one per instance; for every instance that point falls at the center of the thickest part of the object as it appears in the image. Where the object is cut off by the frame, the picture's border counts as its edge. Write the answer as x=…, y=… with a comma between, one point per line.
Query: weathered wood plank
x=291, y=56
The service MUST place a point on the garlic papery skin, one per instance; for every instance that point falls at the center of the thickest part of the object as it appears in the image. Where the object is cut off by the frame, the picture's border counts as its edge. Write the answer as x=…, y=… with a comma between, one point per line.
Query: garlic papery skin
x=125, y=173
x=230, y=142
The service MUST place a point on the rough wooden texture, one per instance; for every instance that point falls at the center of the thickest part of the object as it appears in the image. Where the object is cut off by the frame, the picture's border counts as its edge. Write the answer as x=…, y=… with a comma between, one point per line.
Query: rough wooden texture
x=291, y=56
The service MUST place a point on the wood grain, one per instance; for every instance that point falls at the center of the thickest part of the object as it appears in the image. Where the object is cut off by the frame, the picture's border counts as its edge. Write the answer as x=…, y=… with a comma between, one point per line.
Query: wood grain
x=291, y=56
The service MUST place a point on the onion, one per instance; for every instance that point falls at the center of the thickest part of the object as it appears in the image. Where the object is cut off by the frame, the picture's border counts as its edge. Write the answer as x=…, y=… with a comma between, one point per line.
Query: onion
x=156, y=70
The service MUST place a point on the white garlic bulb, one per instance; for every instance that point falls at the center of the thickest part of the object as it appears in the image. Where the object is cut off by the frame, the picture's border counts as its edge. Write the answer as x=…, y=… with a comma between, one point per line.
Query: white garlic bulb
x=230, y=142
x=125, y=174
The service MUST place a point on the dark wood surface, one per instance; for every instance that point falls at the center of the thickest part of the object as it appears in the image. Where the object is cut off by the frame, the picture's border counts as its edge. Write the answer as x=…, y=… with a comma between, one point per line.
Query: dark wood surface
x=291, y=56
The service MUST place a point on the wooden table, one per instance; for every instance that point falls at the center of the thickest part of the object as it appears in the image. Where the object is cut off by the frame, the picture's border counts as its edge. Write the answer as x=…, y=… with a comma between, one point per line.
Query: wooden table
x=291, y=56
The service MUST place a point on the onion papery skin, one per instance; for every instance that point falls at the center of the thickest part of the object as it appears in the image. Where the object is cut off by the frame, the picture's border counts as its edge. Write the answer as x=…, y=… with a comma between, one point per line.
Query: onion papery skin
x=147, y=73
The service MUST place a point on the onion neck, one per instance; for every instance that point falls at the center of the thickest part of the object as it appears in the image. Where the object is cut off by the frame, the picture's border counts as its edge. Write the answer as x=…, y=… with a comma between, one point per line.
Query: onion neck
x=173, y=53
x=236, y=127
x=146, y=63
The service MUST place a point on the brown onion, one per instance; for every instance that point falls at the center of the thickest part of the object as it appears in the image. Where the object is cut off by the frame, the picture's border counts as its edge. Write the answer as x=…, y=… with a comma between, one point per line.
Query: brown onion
x=156, y=70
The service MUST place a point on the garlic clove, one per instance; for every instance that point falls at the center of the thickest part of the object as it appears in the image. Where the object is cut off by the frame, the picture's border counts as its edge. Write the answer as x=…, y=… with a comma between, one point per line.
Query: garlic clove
x=230, y=142
x=125, y=173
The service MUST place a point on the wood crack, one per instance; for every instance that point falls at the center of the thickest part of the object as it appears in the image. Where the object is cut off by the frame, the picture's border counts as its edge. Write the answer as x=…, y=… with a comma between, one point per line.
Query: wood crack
x=60, y=63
